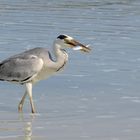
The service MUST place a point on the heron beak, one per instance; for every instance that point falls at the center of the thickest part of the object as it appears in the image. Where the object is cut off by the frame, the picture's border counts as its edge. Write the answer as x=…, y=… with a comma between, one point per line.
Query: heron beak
x=78, y=46
x=82, y=47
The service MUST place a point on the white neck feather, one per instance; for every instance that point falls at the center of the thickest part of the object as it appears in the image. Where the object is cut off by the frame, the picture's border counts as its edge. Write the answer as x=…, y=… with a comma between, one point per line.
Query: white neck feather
x=61, y=56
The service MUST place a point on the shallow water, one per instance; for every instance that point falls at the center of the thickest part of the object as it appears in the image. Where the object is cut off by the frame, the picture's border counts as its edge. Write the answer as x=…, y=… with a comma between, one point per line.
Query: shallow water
x=97, y=96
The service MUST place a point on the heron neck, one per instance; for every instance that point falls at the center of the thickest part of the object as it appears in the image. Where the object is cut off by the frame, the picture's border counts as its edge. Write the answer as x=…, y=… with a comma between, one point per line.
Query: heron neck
x=60, y=55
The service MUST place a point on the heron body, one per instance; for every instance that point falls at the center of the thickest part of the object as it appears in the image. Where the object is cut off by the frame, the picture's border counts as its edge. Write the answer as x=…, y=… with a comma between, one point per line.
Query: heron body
x=37, y=64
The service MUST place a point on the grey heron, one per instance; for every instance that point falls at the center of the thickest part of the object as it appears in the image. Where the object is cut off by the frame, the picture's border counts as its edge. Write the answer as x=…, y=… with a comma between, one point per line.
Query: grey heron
x=36, y=64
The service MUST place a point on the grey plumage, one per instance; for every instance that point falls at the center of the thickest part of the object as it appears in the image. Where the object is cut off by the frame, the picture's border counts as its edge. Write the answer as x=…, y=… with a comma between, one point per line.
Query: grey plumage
x=23, y=67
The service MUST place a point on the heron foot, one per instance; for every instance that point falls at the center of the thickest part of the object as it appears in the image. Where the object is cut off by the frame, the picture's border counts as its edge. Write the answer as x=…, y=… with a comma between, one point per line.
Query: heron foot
x=20, y=107
x=33, y=111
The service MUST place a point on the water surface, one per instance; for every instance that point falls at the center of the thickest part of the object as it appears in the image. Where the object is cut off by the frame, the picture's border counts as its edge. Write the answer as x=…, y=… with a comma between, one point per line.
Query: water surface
x=97, y=97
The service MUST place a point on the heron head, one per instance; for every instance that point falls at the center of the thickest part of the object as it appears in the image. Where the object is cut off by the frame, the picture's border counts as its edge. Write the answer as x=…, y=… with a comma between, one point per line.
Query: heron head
x=67, y=41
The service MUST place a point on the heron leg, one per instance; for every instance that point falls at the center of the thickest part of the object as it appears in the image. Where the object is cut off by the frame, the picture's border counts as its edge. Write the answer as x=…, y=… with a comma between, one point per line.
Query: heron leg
x=20, y=106
x=29, y=91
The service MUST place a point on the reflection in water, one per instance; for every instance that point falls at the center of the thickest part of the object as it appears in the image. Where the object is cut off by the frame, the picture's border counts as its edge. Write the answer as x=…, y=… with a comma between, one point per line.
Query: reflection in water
x=16, y=126
x=27, y=127
x=28, y=130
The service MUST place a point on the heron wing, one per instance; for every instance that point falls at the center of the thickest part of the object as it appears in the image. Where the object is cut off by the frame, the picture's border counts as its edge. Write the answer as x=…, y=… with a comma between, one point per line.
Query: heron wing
x=20, y=68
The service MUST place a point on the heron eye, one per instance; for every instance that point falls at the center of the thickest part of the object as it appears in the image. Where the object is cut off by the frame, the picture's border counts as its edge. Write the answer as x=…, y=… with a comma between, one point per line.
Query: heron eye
x=62, y=36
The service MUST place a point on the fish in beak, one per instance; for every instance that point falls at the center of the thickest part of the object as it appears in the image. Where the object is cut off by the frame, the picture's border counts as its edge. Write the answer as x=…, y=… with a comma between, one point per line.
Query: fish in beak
x=77, y=45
